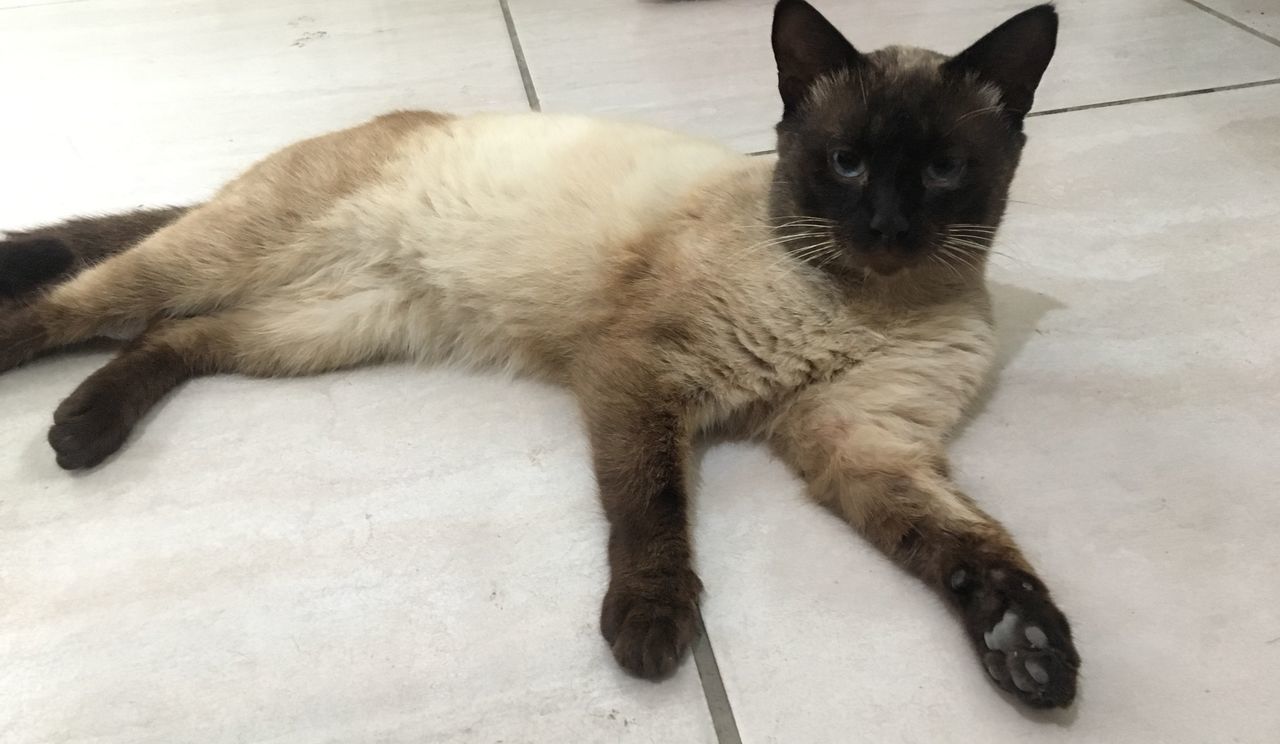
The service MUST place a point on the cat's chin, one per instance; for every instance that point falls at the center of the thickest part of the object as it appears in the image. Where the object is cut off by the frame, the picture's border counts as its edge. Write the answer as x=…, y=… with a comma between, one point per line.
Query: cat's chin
x=885, y=265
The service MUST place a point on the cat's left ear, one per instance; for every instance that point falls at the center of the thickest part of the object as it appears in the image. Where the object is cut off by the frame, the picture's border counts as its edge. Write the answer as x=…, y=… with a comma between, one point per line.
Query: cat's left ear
x=1013, y=57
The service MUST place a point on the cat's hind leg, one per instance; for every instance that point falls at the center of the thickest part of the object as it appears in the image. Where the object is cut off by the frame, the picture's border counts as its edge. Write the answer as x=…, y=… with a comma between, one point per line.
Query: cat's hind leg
x=32, y=260
x=96, y=419
x=886, y=476
x=273, y=338
x=201, y=263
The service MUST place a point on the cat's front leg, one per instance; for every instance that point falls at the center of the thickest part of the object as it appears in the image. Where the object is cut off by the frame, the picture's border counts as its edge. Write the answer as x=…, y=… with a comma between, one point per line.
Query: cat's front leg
x=887, y=477
x=640, y=446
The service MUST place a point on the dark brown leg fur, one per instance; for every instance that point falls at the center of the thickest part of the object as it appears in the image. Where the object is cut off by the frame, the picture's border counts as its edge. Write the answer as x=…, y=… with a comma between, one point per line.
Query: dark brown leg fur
x=900, y=498
x=22, y=336
x=1021, y=636
x=641, y=448
x=33, y=259
x=94, y=421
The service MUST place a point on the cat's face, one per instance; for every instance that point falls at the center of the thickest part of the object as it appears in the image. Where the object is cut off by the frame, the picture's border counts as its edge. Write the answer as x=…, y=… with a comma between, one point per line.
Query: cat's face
x=901, y=154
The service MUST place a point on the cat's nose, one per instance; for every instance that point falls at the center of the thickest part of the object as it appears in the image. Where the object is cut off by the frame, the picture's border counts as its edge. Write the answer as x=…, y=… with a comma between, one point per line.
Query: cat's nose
x=889, y=226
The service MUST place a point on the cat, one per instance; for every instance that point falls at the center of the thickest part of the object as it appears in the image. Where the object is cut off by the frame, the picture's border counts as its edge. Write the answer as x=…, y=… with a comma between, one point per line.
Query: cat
x=828, y=300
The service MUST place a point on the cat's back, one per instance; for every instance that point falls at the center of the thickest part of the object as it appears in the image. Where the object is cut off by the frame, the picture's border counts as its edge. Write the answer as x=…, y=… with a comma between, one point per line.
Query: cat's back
x=532, y=170
x=511, y=226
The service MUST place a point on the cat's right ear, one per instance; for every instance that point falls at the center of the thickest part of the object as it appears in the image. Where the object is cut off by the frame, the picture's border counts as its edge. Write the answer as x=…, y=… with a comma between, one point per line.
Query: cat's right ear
x=806, y=46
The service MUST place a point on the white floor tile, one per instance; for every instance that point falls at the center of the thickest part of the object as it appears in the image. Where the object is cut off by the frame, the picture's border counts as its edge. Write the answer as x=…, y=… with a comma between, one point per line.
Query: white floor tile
x=1261, y=15
x=114, y=103
x=1130, y=444
x=388, y=555
x=707, y=67
x=12, y=4
x=395, y=555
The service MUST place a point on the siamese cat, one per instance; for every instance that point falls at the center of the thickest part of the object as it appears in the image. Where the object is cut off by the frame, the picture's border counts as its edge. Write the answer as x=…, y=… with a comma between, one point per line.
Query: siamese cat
x=828, y=300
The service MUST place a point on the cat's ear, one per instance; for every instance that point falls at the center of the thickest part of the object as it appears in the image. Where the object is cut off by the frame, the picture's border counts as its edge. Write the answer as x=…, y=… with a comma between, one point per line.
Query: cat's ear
x=1013, y=57
x=806, y=46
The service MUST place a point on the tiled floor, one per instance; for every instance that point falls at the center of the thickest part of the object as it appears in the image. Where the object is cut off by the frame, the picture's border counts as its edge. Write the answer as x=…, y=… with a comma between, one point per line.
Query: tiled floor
x=398, y=555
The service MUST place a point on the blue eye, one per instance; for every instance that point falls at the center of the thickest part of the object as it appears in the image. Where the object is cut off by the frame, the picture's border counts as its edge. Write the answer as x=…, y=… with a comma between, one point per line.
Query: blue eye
x=847, y=165
x=944, y=171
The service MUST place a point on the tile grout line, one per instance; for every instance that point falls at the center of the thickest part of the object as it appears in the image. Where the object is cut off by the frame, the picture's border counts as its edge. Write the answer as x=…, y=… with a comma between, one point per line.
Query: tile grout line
x=1238, y=24
x=726, y=726
x=1123, y=102
x=1156, y=97
x=530, y=92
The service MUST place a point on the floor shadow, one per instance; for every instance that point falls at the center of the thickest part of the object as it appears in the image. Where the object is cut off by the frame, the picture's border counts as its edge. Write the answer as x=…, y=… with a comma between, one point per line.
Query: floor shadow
x=1018, y=313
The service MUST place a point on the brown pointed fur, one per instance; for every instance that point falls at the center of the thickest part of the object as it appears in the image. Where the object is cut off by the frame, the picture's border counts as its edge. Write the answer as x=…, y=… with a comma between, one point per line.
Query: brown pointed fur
x=32, y=260
x=663, y=279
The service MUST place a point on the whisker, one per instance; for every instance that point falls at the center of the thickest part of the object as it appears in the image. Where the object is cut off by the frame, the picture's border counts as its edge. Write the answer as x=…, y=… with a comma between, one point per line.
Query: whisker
x=937, y=258
x=972, y=228
x=795, y=222
x=971, y=231
x=970, y=262
x=967, y=243
x=784, y=239
x=791, y=225
x=802, y=217
x=774, y=241
x=1028, y=203
x=813, y=251
x=956, y=256
x=831, y=256
x=1010, y=257
x=793, y=234
x=964, y=248
x=971, y=114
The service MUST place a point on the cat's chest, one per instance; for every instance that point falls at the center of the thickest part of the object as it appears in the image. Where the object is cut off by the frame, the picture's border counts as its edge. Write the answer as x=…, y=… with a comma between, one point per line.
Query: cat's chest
x=768, y=356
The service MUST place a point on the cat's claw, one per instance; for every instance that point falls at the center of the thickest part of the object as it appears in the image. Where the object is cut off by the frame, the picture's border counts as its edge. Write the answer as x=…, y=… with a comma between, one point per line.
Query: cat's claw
x=1023, y=639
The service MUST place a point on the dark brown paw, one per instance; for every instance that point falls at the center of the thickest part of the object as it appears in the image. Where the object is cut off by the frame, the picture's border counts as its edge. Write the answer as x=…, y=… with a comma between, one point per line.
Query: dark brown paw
x=89, y=426
x=1024, y=641
x=649, y=621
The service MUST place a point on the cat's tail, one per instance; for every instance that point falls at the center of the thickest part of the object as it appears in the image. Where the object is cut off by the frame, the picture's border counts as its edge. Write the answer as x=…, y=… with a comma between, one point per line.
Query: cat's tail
x=32, y=260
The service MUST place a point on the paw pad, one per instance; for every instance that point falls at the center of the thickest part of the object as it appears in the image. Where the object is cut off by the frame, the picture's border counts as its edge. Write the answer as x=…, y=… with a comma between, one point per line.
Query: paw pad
x=1023, y=639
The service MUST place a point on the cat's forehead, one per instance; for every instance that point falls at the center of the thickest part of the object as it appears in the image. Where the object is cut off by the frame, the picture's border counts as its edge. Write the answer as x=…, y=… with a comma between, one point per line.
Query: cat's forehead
x=899, y=90
x=907, y=61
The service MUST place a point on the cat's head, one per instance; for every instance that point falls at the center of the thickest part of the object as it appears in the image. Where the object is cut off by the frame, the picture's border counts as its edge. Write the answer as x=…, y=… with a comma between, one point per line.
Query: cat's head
x=901, y=154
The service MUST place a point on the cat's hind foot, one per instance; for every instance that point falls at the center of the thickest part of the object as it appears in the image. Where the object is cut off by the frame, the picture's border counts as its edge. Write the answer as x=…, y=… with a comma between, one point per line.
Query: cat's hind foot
x=89, y=426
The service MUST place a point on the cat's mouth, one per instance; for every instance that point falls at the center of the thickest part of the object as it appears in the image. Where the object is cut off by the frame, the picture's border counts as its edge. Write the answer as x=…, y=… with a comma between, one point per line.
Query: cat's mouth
x=886, y=261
